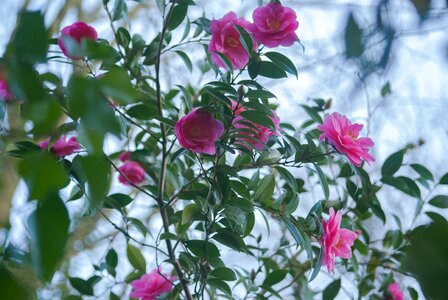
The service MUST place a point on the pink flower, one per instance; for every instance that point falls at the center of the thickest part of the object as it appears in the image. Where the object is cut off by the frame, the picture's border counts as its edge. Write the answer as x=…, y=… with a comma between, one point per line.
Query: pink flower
x=336, y=242
x=149, y=286
x=131, y=171
x=226, y=40
x=274, y=25
x=257, y=135
x=124, y=156
x=198, y=131
x=343, y=136
x=5, y=93
x=62, y=147
x=395, y=291
x=77, y=31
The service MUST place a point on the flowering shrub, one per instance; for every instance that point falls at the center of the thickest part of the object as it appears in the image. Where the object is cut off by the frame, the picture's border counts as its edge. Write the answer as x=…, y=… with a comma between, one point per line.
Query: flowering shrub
x=203, y=165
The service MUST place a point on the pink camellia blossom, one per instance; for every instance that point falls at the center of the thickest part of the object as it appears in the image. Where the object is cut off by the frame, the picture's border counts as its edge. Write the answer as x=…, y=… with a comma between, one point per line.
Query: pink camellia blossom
x=395, y=291
x=5, y=93
x=151, y=285
x=124, y=156
x=78, y=31
x=226, y=40
x=131, y=172
x=343, y=136
x=257, y=135
x=198, y=131
x=62, y=147
x=336, y=242
x=274, y=25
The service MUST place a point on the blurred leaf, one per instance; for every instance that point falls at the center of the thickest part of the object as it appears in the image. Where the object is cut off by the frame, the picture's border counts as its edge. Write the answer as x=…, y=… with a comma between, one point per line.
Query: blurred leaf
x=301, y=238
x=143, y=111
x=422, y=171
x=190, y=213
x=123, y=37
x=386, y=90
x=185, y=59
x=30, y=40
x=422, y=7
x=440, y=201
x=426, y=258
x=274, y=277
x=81, y=285
x=12, y=288
x=224, y=273
x=258, y=118
x=96, y=171
x=318, y=265
x=323, y=181
x=136, y=258
x=444, y=179
x=220, y=285
x=392, y=164
x=111, y=261
x=404, y=184
x=230, y=239
x=353, y=38
x=265, y=189
x=312, y=113
x=43, y=175
x=332, y=290
x=48, y=227
x=120, y=8
x=117, y=85
x=117, y=201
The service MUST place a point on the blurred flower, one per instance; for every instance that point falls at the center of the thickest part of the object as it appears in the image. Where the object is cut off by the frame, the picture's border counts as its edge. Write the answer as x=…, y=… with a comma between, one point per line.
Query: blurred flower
x=150, y=286
x=124, y=156
x=62, y=147
x=336, y=242
x=395, y=291
x=257, y=135
x=274, y=25
x=226, y=40
x=132, y=172
x=5, y=93
x=198, y=131
x=343, y=136
x=77, y=31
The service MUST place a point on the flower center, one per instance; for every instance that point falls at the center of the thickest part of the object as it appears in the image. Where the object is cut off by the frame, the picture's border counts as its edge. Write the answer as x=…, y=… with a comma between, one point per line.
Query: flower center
x=232, y=42
x=273, y=24
x=195, y=131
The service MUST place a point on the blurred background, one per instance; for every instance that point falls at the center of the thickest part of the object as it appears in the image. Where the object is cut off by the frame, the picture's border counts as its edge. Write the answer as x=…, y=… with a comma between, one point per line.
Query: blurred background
x=383, y=63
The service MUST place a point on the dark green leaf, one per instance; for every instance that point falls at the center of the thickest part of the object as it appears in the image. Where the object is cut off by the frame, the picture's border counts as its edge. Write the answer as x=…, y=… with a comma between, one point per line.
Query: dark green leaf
x=270, y=70
x=422, y=171
x=440, y=201
x=143, y=111
x=190, y=213
x=81, y=285
x=224, y=273
x=312, y=113
x=48, y=227
x=353, y=38
x=220, y=285
x=202, y=249
x=444, y=179
x=386, y=90
x=274, y=277
x=117, y=201
x=392, y=164
x=265, y=189
x=12, y=288
x=283, y=62
x=185, y=59
x=245, y=39
x=288, y=177
x=117, y=85
x=404, y=184
x=332, y=290
x=258, y=118
x=177, y=16
x=323, y=181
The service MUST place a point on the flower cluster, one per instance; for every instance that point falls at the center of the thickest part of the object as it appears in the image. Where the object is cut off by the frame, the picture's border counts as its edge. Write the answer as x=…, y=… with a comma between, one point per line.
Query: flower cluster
x=274, y=25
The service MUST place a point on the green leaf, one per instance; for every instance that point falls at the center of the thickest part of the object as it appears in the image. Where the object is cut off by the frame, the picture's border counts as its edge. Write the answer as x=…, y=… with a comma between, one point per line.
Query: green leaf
x=444, y=179
x=117, y=201
x=136, y=258
x=440, y=201
x=120, y=8
x=220, y=285
x=185, y=59
x=42, y=174
x=48, y=227
x=323, y=181
x=353, y=38
x=12, y=287
x=313, y=114
x=96, y=172
x=283, y=62
x=270, y=70
x=111, y=261
x=332, y=290
x=423, y=171
x=190, y=213
x=177, y=16
x=274, y=277
x=263, y=94
x=288, y=177
x=258, y=118
x=123, y=37
x=202, y=249
x=386, y=90
x=245, y=39
x=300, y=237
x=230, y=239
x=392, y=164
x=426, y=258
x=318, y=265
x=30, y=40
x=223, y=273
x=117, y=85
x=81, y=285
x=265, y=189
x=143, y=111
x=404, y=184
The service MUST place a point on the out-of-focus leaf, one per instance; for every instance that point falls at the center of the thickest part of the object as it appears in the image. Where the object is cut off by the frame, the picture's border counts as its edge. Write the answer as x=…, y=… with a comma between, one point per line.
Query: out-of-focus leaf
x=274, y=277
x=81, y=285
x=202, y=249
x=440, y=201
x=12, y=288
x=224, y=273
x=48, y=226
x=136, y=258
x=392, y=164
x=332, y=290
x=177, y=16
x=117, y=85
x=353, y=38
